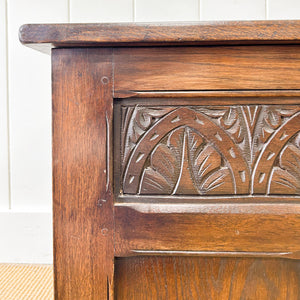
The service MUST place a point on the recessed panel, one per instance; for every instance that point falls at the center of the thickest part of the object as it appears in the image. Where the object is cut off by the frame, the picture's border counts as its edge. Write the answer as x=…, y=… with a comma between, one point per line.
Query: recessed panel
x=206, y=278
x=208, y=150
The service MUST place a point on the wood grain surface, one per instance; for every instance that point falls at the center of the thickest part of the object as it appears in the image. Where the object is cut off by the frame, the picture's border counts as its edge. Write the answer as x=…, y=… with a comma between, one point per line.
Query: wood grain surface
x=82, y=174
x=190, y=278
x=207, y=68
x=269, y=228
x=45, y=36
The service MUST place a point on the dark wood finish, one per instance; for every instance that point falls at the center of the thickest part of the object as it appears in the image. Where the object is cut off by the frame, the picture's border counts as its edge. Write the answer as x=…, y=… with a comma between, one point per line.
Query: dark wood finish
x=82, y=174
x=207, y=68
x=206, y=157
x=176, y=228
x=239, y=96
x=206, y=278
x=45, y=36
x=210, y=150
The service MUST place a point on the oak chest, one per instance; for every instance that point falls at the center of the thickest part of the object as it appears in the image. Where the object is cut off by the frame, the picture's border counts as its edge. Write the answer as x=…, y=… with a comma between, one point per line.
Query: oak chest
x=176, y=159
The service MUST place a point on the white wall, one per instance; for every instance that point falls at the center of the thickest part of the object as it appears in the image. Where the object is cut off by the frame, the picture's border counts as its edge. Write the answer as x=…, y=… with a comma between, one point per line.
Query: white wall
x=25, y=100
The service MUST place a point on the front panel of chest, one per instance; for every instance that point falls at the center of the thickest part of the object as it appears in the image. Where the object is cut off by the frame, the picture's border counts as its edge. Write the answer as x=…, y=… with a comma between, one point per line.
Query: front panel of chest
x=203, y=148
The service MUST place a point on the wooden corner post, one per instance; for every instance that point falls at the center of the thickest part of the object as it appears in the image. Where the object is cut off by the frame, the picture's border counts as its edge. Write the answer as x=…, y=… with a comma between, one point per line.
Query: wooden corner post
x=82, y=173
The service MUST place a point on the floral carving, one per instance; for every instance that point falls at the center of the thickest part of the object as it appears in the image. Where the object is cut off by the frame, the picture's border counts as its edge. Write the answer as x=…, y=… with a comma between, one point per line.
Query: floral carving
x=211, y=150
x=136, y=121
x=286, y=176
x=185, y=164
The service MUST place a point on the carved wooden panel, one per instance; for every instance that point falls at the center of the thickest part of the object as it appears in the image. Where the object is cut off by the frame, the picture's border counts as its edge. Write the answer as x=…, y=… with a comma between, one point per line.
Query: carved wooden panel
x=210, y=150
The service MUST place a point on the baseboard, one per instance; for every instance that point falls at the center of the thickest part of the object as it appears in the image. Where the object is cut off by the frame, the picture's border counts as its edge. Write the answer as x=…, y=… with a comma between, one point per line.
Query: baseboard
x=25, y=237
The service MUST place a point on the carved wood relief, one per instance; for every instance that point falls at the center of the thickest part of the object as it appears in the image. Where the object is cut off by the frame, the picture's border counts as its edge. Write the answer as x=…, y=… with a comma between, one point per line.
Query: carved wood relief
x=210, y=150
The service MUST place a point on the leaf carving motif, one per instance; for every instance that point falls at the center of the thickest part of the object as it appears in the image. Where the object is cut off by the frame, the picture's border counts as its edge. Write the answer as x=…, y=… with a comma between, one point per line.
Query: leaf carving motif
x=211, y=150
x=268, y=121
x=136, y=120
x=286, y=176
x=209, y=171
x=185, y=164
x=250, y=126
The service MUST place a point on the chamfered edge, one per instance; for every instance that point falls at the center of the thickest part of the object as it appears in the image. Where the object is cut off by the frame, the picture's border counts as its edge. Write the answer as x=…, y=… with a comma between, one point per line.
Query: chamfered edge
x=43, y=37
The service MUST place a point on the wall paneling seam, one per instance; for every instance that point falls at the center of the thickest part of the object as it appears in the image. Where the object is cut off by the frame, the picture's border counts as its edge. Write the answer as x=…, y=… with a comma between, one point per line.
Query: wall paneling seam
x=7, y=106
x=199, y=10
x=134, y=10
x=69, y=11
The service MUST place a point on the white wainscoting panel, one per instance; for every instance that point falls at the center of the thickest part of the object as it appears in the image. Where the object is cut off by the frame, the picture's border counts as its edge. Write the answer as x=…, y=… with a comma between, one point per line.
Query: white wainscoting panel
x=30, y=106
x=158, y=10
x=101, y=11
x=4, y=161
x=283, y=9
x=233, y=9
x=26, y=237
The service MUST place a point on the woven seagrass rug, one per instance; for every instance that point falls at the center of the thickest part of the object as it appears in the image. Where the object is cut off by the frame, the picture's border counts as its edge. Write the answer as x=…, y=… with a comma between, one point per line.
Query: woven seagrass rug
x=22, y=281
